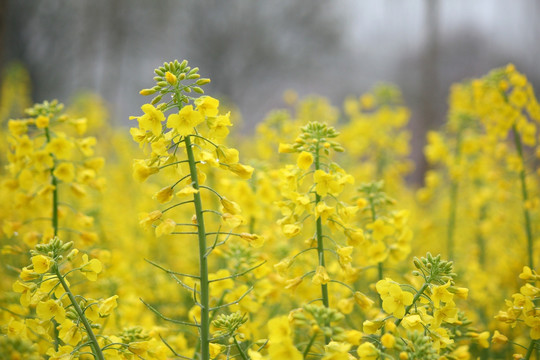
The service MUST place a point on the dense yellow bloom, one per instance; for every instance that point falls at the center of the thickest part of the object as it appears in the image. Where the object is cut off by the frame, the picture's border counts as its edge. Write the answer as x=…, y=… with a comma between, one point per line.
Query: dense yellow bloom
x=394, y=299
x=50, y=309
x=41, y=263
x=441, y=293
x=207, y=105
x=185, y=120
x=60, y=147
x=219, y=126
x=151, y=120
x=91, y=268
x=65, y=172
x=42, y=121
x=321, y=276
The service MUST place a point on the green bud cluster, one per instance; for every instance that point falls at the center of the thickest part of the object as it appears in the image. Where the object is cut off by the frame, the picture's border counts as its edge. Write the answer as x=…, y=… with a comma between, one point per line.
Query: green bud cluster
x=417, y=346
x=46, y=108
x=133, y=334
x=316, y=136
x=174, y=76
x=55, y=249
x=227, y=324
x=434, y=270
x=18, y=348
x=374, y=193
x=323, y=317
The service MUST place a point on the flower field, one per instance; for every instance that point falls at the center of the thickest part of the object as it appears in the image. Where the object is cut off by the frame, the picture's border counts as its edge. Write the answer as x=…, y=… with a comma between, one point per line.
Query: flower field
x=182, y=238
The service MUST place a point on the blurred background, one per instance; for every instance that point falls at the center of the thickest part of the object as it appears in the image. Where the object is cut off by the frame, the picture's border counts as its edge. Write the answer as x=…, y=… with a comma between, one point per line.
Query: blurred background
x=255, y=50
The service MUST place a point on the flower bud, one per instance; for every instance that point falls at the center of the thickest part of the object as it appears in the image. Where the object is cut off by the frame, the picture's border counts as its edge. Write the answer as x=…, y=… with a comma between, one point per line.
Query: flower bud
x=171, y=78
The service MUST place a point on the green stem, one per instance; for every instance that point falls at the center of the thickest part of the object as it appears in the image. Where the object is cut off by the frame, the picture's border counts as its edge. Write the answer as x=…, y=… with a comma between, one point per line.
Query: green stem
x=320, y=241
x=380, y=267
x=415, y=299
x=319, y=235
x=242, y=354
x=524, y=196
x=308, y=347
x=530, y=349
x=203, y=261
x=54, y=183
x=93, y=340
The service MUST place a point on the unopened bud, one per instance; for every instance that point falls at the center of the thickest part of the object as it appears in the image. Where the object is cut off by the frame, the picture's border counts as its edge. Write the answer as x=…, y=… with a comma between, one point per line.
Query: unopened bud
x=203, y=81
x=171, y=78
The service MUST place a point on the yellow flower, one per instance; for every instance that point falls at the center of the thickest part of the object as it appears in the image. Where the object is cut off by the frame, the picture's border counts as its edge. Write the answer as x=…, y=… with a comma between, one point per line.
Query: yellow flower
x=528, y=274
x=215, y=350
x=41, y=263
x=65, y=172
x=441, y=293
x=42, y=122
x=49, y=309
x=292, y=284
x=321, y=276
x=207, y=105
x=344, y=255
x=91, y=268
x=227, y=155
x=171, y=78
x=60, y=147
x=147, y=219
x=186, y=191
x=367, y=351
x=86, y=145
x=164, y=195
x=232, y=221
x=219, y=126
x=230, y=206
x=141, y=171
x=254, y=240
x=413, y=323
x=534, y=323
x=388, y=340
x=325, y=183
x=498, y=338
x=323, y=211
x=305, y=159
x=139, y=347
x=63, y=353
x=185, y=120
x=371, y=327
x=243, y=171
x=482, y=338
x=285, y=148
x=151, y=120
x=336, y=351
x=394, y=299
x=107, y=306
x=363, y=301
x=291, y=230
x=166, y=227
